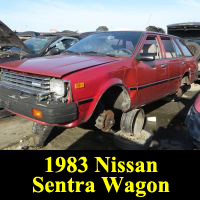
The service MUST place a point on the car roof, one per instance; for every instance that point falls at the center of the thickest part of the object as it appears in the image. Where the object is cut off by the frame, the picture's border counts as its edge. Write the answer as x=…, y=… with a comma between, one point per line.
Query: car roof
x=143, y=32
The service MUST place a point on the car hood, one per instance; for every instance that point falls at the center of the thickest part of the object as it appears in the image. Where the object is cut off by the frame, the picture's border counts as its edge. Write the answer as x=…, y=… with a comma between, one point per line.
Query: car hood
x=9, y=38
x=57, y=66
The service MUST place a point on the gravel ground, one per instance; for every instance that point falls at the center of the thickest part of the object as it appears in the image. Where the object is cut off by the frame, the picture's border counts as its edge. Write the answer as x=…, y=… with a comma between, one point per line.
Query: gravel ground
x=164, y=129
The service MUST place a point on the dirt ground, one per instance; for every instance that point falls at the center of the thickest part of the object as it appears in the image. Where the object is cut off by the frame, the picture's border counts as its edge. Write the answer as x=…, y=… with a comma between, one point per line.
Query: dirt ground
x=164, y=129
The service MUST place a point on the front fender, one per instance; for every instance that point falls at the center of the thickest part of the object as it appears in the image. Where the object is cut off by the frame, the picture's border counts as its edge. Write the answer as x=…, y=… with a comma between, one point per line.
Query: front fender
x=90, y=108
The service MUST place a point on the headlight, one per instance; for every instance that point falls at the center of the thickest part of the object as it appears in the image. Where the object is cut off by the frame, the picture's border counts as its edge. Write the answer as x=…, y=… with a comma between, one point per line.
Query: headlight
x=58, y=87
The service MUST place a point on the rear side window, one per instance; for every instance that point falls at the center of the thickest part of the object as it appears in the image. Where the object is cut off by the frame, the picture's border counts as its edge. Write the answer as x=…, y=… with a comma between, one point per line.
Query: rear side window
x=168, y=46
x=178, y=51
x=184, y=48
x=151, y=48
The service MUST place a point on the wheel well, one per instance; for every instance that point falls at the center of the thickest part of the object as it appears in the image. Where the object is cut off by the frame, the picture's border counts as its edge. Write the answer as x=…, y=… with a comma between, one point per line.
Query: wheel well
x=116, y=97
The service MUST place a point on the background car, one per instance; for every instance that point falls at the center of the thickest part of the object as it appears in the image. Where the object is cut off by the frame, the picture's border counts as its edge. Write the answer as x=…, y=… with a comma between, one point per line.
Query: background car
x=190, y=32
x=13, y=48
x=193, y=122
x=27, y=35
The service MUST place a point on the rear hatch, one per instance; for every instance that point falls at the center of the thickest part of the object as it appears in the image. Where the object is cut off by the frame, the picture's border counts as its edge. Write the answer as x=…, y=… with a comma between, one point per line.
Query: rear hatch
x=185, y=30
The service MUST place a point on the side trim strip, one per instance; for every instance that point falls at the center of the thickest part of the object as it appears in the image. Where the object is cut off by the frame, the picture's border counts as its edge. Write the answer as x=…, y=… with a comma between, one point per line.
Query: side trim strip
x=85, y=101
x=153, y=84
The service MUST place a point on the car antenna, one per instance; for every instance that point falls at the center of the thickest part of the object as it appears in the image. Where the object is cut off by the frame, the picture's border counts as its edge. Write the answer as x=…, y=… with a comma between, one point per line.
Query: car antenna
x=148, y=20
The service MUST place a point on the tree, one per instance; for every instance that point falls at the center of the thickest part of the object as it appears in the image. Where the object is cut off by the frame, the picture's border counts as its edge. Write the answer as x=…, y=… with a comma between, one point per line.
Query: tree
x=155, y=29
x=102, y=29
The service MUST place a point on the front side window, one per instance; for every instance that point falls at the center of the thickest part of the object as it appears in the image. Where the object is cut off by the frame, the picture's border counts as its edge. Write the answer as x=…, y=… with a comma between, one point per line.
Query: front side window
x=151, y=48
x=178, y=51
x=169, y=49
x=184, y=48
x=109, y=43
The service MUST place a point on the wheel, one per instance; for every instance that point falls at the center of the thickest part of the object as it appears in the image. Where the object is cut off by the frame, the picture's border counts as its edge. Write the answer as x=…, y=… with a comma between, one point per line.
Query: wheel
x=105, y=121
x=194, y=48
x=132, y=122
x=41, y=134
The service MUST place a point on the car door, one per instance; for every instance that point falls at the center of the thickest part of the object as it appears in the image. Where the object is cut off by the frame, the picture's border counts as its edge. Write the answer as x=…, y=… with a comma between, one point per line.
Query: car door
x=173, y=60
x=151, y=73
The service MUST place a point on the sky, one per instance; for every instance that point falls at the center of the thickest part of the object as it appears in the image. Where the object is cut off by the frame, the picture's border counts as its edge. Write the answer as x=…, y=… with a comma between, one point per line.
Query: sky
x=87, y=15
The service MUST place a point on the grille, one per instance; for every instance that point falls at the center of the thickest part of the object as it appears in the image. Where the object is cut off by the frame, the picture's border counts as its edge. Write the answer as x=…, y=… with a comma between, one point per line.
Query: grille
x=26, y=83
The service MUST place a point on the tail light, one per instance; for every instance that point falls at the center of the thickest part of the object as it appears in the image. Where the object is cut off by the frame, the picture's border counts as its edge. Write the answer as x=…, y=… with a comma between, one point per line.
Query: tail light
x=197, y=104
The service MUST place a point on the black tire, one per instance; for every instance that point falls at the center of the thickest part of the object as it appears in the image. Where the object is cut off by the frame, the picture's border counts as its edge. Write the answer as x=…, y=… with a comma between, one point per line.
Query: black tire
x=194, y=48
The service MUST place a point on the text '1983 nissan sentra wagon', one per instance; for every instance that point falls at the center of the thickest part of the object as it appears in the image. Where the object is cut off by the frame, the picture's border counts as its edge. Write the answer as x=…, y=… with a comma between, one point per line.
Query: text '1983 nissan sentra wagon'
x=104, y=74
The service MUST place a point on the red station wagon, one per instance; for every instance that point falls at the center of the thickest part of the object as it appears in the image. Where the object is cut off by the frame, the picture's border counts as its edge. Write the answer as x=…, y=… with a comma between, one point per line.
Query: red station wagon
x=104, y=74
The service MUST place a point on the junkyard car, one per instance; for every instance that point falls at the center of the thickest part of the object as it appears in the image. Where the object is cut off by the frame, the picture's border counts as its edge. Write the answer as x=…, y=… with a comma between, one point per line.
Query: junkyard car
x=12, y=48
x=27, y=35
x=101, y=75
x=190, y=32
x=193, y=122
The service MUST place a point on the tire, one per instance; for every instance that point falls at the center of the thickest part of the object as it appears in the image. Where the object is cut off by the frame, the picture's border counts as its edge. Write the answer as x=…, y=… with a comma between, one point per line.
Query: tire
x=194, y=48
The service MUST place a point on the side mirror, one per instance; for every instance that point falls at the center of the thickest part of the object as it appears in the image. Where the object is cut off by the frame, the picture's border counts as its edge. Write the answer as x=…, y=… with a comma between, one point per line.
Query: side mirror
x=145, y=58
x=54, y=51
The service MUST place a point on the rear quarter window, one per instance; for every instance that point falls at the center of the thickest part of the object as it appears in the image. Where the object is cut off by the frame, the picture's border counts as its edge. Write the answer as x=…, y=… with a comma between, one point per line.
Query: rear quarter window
x=184, y=48
x=168, y=46
x=177, y=49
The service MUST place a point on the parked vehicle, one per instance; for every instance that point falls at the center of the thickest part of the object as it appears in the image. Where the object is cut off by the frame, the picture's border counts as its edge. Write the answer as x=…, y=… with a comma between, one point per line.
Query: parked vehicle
x=101, y=75
x=193, y=122
x=190, y=32
x=27, y=35
x=12, y=48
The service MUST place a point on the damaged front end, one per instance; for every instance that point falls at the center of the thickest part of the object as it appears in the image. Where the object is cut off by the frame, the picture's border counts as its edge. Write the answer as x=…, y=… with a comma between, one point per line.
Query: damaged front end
x=45, y=99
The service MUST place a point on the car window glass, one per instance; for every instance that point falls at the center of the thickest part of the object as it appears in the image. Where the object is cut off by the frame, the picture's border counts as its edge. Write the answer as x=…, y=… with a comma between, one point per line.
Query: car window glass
x=60, y=46
x=37, y=44
x=184, y=48
x=151, y=48
x=169, y=49
x=178, y=51
x=68, y=42
x=120, y=44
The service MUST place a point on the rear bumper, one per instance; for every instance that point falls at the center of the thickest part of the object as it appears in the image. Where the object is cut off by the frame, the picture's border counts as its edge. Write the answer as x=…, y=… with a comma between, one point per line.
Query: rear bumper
x=22, y=104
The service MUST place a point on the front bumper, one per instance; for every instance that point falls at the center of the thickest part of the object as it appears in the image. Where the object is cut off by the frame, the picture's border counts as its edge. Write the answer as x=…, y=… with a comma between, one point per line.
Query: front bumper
x=22, y=104
x=193, y=123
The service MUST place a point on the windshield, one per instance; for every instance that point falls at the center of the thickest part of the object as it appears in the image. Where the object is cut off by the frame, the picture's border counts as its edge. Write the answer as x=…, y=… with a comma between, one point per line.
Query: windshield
x=37, y=44
x=109, y=43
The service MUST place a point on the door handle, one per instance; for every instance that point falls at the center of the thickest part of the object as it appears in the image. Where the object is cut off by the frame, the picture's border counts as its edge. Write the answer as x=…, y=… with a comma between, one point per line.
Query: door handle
x=163, y=65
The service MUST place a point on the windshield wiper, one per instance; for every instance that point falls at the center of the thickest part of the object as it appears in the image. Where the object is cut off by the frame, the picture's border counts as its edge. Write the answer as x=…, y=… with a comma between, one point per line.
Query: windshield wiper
x=72, y=52
x=98, y=53
x=91, y=52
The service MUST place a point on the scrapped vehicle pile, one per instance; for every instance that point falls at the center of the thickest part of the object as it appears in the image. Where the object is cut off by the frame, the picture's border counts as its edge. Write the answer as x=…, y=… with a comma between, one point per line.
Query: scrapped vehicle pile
x=102, y=81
